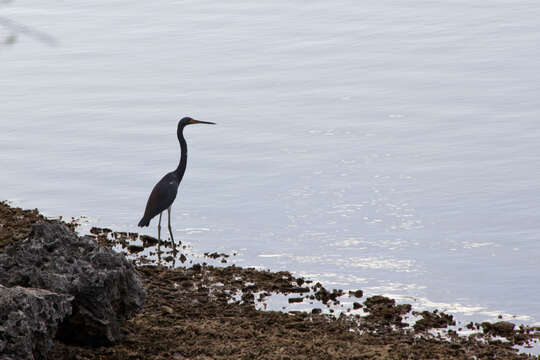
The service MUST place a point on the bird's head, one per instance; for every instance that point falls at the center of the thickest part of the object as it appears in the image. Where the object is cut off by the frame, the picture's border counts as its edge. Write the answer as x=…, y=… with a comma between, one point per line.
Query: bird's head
x=189, y=121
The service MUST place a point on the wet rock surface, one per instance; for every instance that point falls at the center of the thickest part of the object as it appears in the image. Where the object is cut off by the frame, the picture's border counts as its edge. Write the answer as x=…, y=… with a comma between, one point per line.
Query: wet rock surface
x=29, y=319
x=207, y=312
x=433, y=320
x=106, y=288
x=384, y=314
x=213, y=312
x=500, y=328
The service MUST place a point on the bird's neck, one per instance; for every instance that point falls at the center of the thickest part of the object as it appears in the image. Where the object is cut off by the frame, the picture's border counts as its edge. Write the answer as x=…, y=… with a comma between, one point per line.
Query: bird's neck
x=181, y=169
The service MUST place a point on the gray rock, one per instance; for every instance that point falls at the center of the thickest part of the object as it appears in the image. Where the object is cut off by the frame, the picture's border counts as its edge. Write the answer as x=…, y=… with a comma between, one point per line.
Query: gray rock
x=29, y=319
x=106, y=288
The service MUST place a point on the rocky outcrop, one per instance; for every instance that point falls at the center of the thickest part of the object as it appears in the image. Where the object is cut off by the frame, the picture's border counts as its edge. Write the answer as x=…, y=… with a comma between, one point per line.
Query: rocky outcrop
x=29, y=319
x=105, y=288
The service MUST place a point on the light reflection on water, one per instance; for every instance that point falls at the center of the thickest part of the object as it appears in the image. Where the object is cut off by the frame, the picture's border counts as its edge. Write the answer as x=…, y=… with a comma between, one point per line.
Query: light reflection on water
x=384, y=146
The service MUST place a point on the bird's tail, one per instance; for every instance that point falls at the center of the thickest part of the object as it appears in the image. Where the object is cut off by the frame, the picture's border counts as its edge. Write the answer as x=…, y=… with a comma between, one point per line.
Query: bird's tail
x=144, y=222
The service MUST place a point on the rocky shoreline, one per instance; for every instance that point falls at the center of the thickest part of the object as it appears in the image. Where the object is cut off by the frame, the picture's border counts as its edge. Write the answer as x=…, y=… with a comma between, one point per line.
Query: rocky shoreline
x=78, y=299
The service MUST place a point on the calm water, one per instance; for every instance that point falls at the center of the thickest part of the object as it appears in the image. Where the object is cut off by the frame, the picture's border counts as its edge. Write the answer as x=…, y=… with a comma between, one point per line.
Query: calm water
x=390, y=146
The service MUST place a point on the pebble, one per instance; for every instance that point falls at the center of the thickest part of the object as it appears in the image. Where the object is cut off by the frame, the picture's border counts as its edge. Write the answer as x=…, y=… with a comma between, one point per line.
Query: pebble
x=167, y=309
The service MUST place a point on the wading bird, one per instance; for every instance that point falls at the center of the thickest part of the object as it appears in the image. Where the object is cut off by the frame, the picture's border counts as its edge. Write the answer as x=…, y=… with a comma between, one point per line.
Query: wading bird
x=164, y=193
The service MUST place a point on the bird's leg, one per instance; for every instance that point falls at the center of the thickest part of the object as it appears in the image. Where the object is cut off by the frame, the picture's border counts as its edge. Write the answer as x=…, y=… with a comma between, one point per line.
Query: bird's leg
x=170, y=230
x=159, y=228
x=159, y=240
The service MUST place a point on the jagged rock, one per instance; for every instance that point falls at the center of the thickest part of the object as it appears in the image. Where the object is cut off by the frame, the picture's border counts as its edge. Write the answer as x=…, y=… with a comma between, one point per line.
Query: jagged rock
x=500, y=328
x=105, y=287
x=29, y=319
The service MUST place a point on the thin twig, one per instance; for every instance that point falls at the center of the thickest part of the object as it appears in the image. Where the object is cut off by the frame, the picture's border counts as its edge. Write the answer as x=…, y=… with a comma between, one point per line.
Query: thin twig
x=28, y=31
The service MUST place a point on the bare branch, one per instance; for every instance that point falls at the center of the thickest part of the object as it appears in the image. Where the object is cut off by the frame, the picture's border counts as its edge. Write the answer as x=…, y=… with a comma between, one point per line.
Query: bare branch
x=19, y=28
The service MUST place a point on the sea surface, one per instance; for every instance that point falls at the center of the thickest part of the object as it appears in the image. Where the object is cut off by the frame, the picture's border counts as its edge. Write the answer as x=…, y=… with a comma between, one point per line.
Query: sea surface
x=389, y=146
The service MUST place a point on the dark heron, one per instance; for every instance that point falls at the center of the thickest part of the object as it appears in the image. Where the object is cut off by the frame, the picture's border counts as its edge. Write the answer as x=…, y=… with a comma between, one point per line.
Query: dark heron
x=164, y=193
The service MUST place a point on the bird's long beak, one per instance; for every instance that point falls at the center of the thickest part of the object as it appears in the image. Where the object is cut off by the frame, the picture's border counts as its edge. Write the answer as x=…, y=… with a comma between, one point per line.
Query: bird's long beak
x=192, y=121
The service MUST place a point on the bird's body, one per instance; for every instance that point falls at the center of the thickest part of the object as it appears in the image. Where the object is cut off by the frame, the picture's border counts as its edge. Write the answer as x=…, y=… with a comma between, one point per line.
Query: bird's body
x=164, y=192
x=161, y=197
